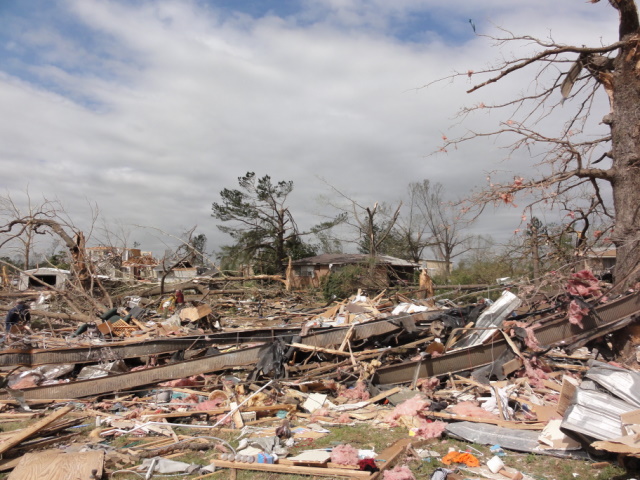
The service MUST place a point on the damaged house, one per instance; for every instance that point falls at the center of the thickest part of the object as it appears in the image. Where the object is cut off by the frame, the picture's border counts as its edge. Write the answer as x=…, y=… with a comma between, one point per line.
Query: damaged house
x=601, y=261
x=123, y=263
x=183, y=271
x=308, y=272
x=42, y=278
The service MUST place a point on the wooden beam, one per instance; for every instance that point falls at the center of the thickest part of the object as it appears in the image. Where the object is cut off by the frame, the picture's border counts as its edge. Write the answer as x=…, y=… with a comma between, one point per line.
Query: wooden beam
x=331, y=351
x=25, y=433
x=219, y=411
x=500, y=423
x=389, y=456
x=383, y=395
x=293, y=469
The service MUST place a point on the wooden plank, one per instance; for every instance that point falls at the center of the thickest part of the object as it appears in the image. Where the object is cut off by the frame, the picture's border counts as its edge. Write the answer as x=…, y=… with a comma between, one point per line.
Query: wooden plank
x=57, y=465
x=293, y=469
x=16, y=416
x=568, y=389
x=286, y=461
x=552, y=385
x=389, y=456
x=25, y=433
x=501, y=423
x=383, y=395
x=347, y=337
x=631, y=418
x=331, y=351
x=512, y=366
x=237, y=417
x=219, y=411
x=9, y=464
x=513, y=346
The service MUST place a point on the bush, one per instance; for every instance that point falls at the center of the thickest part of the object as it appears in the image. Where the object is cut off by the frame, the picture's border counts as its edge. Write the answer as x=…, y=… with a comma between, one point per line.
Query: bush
x=342, y=283
x=346, y=281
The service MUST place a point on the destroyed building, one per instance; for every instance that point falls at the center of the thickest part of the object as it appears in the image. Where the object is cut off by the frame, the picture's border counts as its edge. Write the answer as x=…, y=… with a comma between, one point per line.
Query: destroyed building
x=122, y=263
x=308, y=272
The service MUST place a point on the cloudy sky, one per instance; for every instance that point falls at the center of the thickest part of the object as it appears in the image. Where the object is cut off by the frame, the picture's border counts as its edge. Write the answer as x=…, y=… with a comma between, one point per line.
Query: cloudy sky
x=147, y=109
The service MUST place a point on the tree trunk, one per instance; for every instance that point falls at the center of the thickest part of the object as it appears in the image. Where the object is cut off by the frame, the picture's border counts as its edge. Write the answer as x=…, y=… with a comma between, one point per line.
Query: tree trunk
x=280, y=250
x=535, y=254
x=625, y=131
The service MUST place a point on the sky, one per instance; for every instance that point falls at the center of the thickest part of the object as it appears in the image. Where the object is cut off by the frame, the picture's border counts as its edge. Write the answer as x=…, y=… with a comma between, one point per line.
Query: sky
x=144, y=111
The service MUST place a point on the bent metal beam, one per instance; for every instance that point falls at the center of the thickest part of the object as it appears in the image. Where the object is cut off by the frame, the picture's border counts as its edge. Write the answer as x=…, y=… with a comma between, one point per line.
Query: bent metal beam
x=237, y=358
x=553, y=331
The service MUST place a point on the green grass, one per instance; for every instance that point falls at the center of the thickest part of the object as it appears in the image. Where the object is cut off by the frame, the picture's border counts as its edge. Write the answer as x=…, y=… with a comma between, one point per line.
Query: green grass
x=365, y=436
x=11, y=426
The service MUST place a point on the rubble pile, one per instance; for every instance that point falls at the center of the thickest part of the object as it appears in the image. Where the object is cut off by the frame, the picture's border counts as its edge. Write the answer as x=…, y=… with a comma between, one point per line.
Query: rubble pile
x=257, y=384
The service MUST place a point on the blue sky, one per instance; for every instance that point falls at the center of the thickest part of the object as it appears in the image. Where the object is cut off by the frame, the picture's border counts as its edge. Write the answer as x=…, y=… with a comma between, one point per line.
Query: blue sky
x=145, y=110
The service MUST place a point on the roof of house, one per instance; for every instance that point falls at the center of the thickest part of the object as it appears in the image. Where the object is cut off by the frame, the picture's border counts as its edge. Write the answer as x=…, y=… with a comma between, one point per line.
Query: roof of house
x=352, y=258
x=46, y=271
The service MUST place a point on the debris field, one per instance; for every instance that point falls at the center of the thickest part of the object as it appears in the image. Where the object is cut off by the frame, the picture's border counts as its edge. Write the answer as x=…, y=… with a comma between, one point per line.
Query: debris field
x=205, y=386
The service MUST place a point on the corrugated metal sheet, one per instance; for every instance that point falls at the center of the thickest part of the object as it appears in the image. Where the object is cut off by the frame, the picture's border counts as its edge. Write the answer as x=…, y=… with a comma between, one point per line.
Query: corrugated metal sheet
x=491, y=317
x=623, y=383
x=596, y=414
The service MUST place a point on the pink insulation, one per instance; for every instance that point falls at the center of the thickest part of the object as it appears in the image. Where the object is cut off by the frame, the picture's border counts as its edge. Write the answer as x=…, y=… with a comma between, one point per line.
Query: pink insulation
x=321, y=412
x=27, y=382
x=343, y=418
x=430, y=430
x=530, y=340
x=409, y=407
x=344, y=455
x=428, y=384
x=358, y=392
x=399, y=472
x=331, y=385
x=535, y=375
x=209, y=404
x=576, y=313
x=184, y=382
x=470, y=409
x=583, y=284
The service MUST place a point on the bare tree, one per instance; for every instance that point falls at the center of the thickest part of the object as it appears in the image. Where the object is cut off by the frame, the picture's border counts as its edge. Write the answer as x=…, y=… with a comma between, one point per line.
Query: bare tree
x=50, y=218
x=24, y=242
x=412, y=229
x=373, y=225
x=445, y=221
x=572, y=156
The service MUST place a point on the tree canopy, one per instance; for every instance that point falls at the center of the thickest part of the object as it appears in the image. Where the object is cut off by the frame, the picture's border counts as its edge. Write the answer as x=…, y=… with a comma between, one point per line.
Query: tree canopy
x=259, y=220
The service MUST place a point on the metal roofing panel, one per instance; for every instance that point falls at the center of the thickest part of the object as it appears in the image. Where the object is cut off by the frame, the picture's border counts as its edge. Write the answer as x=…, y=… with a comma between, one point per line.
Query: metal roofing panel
x=596, y=414
x=623, y=383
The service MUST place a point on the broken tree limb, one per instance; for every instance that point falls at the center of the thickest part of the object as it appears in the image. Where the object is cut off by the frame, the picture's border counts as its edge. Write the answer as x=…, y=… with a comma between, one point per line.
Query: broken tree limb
x=200, y=287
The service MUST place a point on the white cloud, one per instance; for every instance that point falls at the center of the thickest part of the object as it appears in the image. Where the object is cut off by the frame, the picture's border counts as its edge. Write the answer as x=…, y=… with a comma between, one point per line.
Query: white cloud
x=171, y=101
